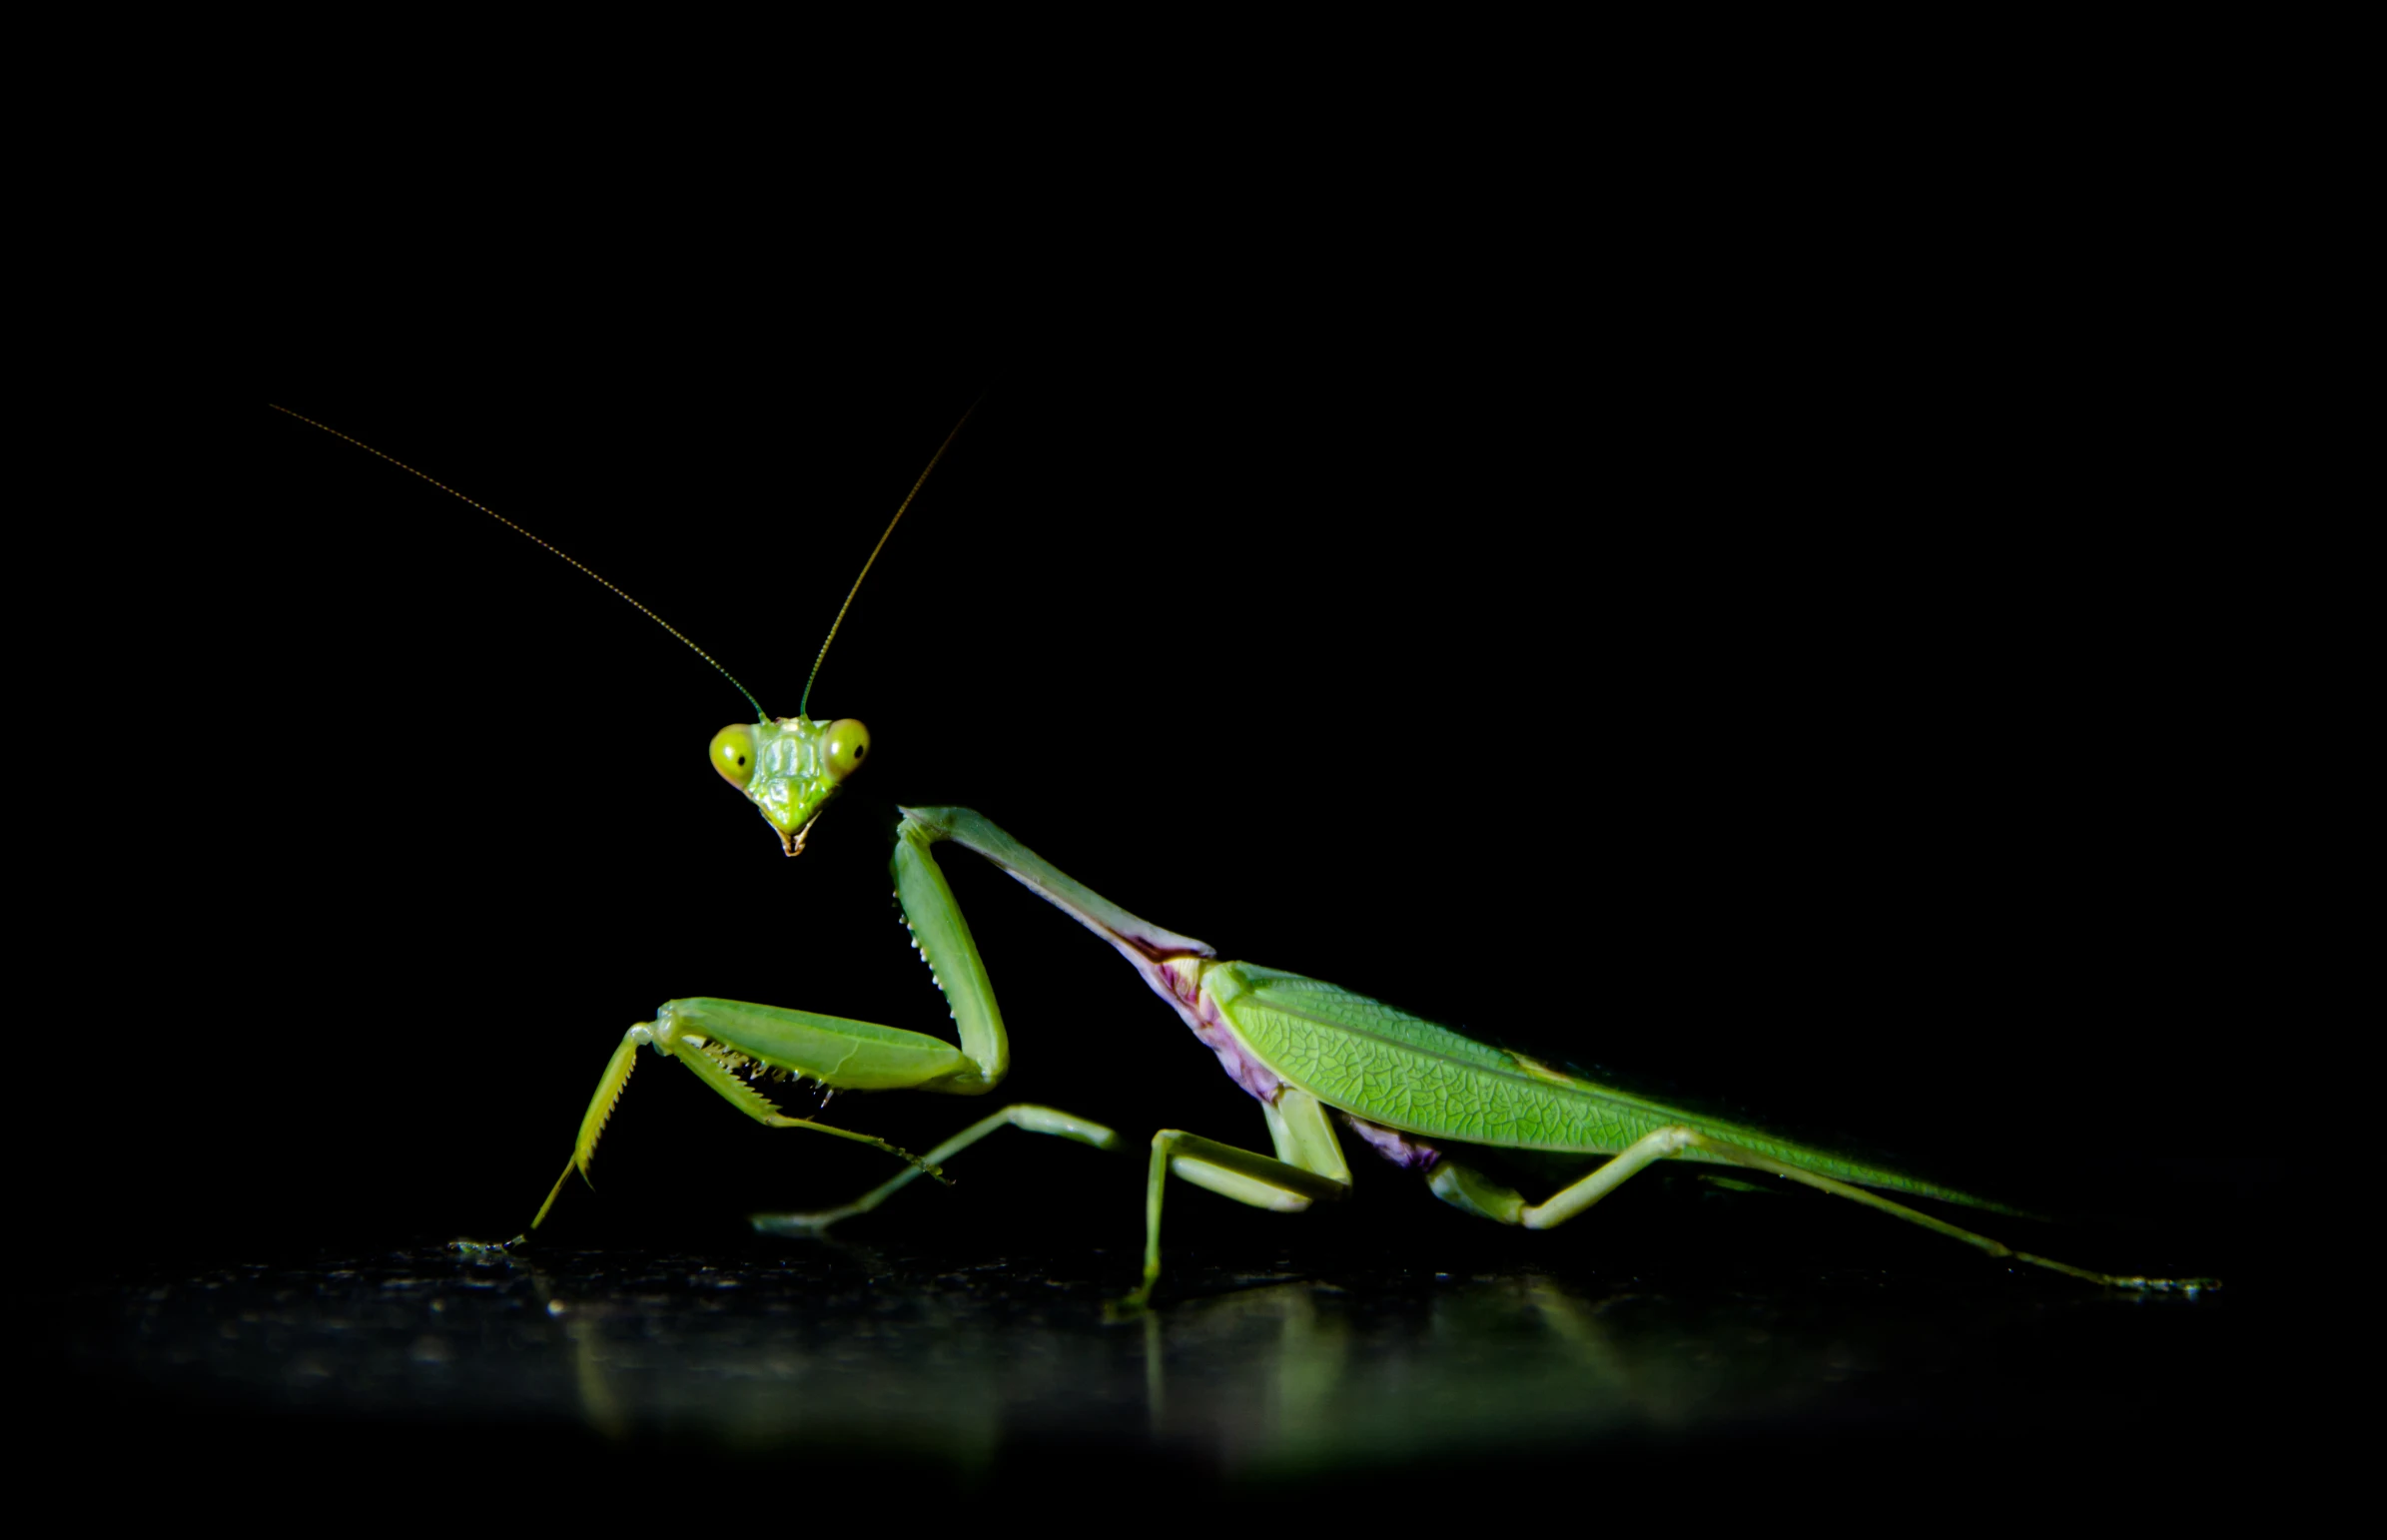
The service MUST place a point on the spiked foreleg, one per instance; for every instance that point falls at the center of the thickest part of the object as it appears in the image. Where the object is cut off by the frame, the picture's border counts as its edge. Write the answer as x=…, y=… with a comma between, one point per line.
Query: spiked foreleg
x=719, y=1066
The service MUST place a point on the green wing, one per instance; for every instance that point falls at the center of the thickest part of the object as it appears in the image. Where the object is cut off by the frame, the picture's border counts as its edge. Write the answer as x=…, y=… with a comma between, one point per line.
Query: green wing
x=1388, y=1067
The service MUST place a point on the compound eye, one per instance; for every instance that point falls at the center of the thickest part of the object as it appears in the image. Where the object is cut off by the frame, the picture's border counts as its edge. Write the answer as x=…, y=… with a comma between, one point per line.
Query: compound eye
x=733, y=754
x=844, y=747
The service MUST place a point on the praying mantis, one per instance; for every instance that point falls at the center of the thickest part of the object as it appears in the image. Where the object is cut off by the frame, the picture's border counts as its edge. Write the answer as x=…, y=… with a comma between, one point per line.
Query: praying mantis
x=1230, y=1007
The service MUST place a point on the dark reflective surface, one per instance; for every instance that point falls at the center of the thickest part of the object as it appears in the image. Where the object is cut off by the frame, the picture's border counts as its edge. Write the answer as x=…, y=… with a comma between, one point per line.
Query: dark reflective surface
x=960, y=1371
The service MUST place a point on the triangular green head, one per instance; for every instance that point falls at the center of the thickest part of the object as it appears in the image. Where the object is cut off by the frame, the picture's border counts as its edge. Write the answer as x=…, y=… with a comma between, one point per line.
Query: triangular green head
x=790, y=767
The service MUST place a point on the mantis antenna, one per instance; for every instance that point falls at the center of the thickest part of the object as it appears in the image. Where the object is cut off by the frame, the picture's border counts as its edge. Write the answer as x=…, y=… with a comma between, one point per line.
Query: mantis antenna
x=760, y=716
x=759, y=713
x=805, y=700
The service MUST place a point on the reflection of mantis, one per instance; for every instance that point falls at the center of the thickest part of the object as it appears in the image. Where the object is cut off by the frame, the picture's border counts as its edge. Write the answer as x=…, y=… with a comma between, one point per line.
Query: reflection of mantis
x=1310, y=1052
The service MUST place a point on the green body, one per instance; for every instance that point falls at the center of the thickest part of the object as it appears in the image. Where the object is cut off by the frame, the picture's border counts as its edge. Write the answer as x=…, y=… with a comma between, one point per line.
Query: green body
x=1311, y=1053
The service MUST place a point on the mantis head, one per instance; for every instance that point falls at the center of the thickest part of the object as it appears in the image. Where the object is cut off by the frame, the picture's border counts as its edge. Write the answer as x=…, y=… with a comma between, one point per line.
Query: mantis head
x=787, y=766
x=790, y=767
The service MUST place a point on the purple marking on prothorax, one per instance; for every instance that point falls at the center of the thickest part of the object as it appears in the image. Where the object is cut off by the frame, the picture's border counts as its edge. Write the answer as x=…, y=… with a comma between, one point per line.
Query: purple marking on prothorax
x=1151, y=948
x=1202, y=1013
x=1400, y=1149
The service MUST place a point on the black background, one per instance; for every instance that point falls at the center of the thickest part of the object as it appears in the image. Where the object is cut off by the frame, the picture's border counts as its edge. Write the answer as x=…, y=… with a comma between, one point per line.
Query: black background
x=1774, y=713
x=1787, y=654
